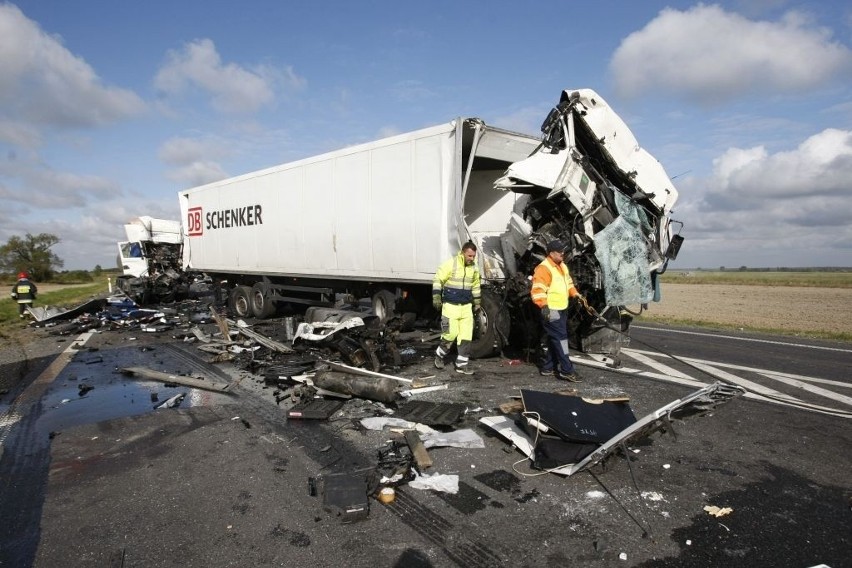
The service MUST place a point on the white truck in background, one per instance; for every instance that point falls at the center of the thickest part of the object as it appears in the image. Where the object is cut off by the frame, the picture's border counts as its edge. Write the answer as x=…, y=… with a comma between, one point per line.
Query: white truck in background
x=150, y=260
x=375, y=220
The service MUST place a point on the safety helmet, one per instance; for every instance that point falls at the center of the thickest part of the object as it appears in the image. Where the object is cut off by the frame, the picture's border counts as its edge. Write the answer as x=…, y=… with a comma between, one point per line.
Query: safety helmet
x=22, y=275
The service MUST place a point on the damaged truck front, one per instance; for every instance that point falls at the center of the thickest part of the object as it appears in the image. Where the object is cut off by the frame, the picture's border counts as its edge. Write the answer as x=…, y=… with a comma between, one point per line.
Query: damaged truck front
x=150, y=261
x=375, y=221
x=591, y=185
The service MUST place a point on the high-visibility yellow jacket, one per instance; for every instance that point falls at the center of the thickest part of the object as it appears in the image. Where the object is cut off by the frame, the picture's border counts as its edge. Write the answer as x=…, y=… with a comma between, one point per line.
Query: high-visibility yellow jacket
x=552, y=285
x=456, y=282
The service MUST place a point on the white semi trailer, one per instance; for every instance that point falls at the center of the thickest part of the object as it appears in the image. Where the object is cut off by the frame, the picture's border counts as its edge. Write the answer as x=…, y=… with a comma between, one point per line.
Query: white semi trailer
x=375, y=220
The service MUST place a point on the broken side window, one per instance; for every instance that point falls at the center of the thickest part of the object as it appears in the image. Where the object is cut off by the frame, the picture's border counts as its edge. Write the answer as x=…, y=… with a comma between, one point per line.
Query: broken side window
x=622, y=251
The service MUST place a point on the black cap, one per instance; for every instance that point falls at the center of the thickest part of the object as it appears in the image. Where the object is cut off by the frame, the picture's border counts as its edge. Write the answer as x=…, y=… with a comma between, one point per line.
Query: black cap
x=556, y=245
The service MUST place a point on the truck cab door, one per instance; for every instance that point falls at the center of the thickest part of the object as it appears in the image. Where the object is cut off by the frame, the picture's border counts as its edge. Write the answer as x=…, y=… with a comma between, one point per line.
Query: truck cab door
x=133, y=261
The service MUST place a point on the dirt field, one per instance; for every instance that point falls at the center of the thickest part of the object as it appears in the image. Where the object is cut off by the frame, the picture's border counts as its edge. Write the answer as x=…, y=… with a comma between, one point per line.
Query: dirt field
x=791, y=309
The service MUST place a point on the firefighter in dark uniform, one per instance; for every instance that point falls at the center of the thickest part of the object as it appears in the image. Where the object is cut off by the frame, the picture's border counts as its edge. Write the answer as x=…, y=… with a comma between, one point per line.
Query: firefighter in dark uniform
x=24, y=292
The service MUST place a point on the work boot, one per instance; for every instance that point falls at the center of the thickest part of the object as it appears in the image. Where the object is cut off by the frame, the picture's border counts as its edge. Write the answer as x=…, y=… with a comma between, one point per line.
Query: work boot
x=439, y=362
x=464, y=370
x=571, y=377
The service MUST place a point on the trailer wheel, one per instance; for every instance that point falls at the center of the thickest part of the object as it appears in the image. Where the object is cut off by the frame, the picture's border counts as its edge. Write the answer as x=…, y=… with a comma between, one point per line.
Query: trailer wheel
x=240, y=301
x=261, y=305
x=384, y=304
x=490, y=328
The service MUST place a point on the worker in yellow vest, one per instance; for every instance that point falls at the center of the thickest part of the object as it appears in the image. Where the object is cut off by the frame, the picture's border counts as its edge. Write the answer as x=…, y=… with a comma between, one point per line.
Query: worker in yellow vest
x=552, y=289
x=456, y=293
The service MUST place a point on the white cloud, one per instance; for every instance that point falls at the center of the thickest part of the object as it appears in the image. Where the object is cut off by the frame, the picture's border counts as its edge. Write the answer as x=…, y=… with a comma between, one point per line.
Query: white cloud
x=387, y=131
x=194, y=160
x=411, y=90
x=49, y=189
x=197, y=173
x=526, y=120
x=19, y=134
x=821, y=165
x=234, y=89
x=713, y=56
x=772, y=209
x=182, y=151
x=44, y=83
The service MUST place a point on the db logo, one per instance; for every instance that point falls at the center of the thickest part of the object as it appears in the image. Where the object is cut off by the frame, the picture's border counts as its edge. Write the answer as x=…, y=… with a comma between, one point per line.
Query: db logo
x=193, y=222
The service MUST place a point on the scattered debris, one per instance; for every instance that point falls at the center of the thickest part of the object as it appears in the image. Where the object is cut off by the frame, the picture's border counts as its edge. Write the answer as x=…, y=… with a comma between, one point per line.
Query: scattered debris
x=445, y=483
x=318, y=409
x=387, y=495
x=173, y=402
x=346, y=495
x=701, y=401
x=418, y=450
x=718, y=511
x=173, y=379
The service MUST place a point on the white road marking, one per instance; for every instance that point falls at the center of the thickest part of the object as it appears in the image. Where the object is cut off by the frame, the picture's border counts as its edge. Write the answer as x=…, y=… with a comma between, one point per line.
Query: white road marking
x=755, y=390
x=810, y=388
x=20, y=406
x=734, y=337
x=829, y=382
x=751, y=386
x=654, y=364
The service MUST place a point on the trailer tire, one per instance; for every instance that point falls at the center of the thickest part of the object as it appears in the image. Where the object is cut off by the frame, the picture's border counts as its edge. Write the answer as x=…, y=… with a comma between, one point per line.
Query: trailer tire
x=261, y=305
x=490, y=328
x=240, y=301
x=384, y=305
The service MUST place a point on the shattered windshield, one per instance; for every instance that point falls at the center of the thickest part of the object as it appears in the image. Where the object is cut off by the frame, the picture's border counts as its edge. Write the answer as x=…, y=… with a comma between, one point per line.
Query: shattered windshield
x=622, y=251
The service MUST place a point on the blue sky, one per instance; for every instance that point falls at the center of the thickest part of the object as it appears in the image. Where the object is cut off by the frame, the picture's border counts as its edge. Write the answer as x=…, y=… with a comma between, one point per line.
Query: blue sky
x=108, y=109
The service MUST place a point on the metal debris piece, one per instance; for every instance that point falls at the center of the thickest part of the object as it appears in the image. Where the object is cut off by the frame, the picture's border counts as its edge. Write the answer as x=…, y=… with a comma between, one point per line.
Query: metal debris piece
x=432, y=413
x=144, y=373
x=265, y=341
x=172, y=402
x=718, y=511
x=703, y=400
x=356, y=371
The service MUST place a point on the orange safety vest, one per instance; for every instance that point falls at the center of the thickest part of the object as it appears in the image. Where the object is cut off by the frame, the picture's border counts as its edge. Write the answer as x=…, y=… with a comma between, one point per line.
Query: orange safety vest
x=551, y=286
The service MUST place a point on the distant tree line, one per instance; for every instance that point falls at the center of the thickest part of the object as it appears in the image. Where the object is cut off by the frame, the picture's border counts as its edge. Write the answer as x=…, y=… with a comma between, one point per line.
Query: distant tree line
x=777, y=269
x=32, y=254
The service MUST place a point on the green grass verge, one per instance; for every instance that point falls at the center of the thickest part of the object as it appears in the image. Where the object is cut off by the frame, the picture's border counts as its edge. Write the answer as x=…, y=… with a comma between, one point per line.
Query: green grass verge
x=68, y=297
x=808, y=279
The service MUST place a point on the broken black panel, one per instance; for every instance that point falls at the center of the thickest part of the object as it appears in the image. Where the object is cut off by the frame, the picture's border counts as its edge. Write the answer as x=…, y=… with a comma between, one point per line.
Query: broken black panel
x=574, y=419
x=432, y=413
x=316, y=409
x=345, y=495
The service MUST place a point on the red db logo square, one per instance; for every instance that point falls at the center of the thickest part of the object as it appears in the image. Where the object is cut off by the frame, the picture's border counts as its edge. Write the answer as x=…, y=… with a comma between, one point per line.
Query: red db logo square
x=193, y=222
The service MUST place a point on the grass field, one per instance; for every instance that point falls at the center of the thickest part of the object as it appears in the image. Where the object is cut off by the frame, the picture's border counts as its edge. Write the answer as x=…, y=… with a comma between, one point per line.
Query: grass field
x=755, y=278
x=64, y=296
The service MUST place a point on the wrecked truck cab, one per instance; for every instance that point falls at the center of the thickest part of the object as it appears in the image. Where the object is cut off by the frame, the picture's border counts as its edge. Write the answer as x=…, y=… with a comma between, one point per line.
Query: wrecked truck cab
x=591, y=184
x=150, y=261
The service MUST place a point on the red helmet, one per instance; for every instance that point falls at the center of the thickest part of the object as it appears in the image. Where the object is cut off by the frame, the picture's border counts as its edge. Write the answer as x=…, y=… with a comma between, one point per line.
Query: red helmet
x=22, y=275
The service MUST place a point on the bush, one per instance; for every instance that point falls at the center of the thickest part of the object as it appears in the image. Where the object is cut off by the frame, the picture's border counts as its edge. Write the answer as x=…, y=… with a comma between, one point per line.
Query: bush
x=72, y=277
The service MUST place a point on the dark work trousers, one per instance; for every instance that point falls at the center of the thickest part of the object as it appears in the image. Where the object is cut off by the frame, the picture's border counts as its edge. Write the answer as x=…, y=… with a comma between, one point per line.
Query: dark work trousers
x=557, y=342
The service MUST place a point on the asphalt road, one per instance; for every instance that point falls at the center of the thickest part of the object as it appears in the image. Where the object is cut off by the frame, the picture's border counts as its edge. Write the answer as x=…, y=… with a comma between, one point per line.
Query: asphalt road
x=95, y=477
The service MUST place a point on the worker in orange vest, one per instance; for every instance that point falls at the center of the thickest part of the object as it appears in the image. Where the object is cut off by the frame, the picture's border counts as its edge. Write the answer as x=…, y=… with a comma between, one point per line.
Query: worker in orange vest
x=552, y=289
